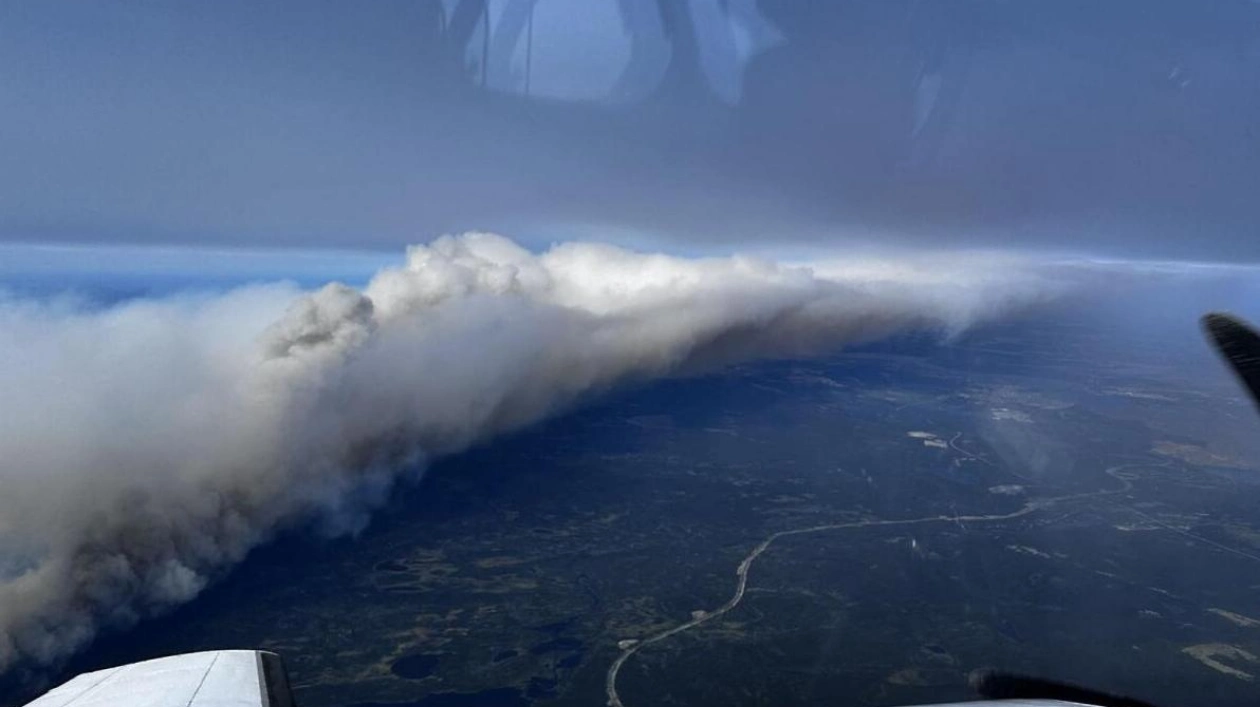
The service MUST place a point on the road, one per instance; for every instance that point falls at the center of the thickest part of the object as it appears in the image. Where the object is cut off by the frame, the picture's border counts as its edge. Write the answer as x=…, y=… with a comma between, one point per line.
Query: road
x=741, y=572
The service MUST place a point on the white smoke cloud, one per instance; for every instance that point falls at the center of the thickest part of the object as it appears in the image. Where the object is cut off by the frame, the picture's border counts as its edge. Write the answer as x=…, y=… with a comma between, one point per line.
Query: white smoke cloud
x=147, y=447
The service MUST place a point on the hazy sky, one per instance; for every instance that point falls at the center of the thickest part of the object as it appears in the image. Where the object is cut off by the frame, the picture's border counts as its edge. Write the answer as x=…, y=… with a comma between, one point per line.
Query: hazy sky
x=1124, y=127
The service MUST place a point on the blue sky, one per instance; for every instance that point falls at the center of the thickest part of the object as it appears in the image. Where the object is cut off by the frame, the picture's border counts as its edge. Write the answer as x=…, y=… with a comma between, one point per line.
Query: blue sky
x=1123, y=128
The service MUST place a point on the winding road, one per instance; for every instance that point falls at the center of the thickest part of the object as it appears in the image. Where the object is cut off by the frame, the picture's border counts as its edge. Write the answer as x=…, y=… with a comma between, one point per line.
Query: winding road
x=741, y=585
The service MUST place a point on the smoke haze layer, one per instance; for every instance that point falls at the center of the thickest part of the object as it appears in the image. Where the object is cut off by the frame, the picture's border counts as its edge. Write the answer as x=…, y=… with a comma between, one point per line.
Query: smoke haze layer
x=147, y=447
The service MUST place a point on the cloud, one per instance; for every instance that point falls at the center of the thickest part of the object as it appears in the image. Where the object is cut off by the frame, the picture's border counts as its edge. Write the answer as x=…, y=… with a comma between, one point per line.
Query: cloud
x=149, y=446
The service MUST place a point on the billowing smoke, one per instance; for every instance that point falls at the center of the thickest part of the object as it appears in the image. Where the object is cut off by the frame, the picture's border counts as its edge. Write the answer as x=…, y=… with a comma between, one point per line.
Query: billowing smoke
x=147, y=447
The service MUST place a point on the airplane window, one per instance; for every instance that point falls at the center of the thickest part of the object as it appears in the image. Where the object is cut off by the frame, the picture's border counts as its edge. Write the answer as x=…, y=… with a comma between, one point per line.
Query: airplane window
x=430, y=353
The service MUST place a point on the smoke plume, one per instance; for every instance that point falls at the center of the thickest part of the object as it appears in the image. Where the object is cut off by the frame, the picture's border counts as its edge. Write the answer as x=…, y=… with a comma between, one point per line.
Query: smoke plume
x=147, y=447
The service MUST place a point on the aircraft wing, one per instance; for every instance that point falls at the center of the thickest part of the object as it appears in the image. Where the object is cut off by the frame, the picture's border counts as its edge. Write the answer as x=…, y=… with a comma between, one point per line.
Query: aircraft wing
x=1240, y=346
x=210, y=679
